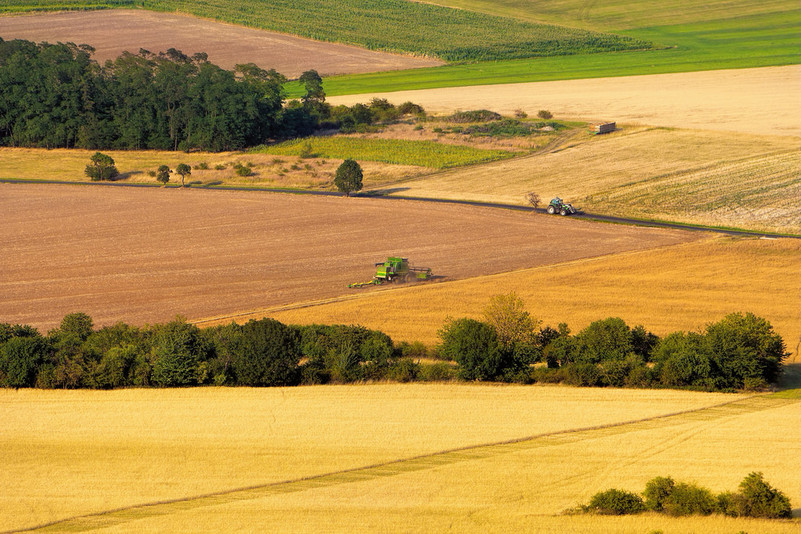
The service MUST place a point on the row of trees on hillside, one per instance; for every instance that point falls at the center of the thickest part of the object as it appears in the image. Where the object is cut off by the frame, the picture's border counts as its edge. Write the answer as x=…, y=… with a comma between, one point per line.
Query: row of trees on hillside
x=739, y=352
x=57, y=96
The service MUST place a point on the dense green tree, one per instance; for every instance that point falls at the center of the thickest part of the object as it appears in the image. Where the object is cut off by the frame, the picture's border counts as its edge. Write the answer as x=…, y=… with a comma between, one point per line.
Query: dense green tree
x=269, y=355
x=683, y=359
x=184, y=170
x=20, y=359
x=607, y=339
x=101, y=167
x=313, y=84
x=163, y=174
x=178, y=350
x=756, y=498
x=475, y=346
x=746, y=350
x=348, y=177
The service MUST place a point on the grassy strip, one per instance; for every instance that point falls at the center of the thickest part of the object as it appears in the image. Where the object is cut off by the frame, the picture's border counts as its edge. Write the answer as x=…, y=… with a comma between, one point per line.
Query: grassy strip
x=397, y=26
x=746, y=42
x=395, y=151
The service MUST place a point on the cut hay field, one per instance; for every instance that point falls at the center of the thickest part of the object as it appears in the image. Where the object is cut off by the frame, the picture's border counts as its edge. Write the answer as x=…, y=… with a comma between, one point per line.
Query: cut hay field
x=146, y=254
x=114, y=31
x=692, y=176
x=275, y=457
x=684, y=287
x=759, y=101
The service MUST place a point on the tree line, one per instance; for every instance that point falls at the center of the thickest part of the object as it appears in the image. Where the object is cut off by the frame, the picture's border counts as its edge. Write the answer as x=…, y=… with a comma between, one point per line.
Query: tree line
x=739, y=352
x=57, y=96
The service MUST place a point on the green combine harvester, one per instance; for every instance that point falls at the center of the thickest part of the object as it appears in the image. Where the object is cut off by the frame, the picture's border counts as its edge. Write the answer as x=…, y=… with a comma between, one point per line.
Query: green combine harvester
x=397, y=270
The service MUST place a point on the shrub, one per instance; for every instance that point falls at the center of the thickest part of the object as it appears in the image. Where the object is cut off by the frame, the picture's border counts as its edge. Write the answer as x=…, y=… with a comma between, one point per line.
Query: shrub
x=616, y=502
x=20, y=358
x=202, y=166
x=178, y=350
x=544, y=114
x=409, y=108
x=269, y=355
x=243, y=170
x=657, y=490
x=476, y=348
x=479, y=115
x=688, y=499
x=583, y=374
x=436, y=372
x=101, y=168
x=757, y=498
x=404, y=371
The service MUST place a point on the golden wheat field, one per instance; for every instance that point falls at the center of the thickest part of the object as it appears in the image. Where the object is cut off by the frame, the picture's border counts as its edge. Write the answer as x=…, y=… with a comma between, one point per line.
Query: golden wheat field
x=316, y=458
x=694, y=176
x=681, y=287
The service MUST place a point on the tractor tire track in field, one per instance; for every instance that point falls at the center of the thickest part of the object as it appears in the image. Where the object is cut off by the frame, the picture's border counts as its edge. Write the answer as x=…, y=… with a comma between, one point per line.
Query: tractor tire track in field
x=119, y=516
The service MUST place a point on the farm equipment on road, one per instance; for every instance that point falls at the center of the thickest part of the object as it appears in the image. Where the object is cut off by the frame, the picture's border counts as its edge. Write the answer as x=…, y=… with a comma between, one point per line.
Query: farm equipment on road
x=395, y=269
x=557, y=205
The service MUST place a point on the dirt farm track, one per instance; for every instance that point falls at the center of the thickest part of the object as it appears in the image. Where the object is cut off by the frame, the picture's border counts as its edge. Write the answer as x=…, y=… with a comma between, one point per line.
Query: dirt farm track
x=146, y=255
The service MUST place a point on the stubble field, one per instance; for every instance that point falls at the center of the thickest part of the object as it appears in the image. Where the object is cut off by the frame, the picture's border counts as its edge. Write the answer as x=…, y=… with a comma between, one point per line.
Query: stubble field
x=145, y=255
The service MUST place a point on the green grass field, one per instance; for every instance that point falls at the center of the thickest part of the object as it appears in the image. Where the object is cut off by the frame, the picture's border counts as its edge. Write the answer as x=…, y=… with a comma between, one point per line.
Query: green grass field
x=396, y=151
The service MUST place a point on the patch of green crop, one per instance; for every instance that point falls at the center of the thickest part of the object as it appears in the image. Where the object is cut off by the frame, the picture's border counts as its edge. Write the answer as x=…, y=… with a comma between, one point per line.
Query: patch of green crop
x=396, y=151
x=22, y=6
x=743, y=42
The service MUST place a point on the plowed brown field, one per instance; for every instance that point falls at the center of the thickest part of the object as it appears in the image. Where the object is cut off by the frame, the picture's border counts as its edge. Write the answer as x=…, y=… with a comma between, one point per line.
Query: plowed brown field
x=113, y=31
x=145, y=255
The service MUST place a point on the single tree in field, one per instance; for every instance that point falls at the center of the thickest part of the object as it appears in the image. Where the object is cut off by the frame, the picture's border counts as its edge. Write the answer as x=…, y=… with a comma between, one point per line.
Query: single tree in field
x=533, y=199
x=184, y=170
x=101, y=168
x=163, y=174
x=348, y=177
x=313, y=84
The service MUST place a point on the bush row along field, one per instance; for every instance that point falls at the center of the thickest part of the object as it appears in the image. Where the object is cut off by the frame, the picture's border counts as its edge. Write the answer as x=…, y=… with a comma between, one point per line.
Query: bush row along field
x=757, y=40
x=399, y=26
x=728, y=179
x=396, y=151
x=247, y=437
x=678, y=288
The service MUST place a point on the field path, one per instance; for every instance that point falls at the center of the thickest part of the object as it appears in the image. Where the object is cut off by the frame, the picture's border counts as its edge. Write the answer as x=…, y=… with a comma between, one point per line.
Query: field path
x=418, y=463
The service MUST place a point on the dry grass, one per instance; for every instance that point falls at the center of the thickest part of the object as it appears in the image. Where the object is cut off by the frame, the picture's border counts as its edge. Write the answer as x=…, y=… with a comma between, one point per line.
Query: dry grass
x=689, y=175
x=268, y=171
x=71, y=453
x=683, y=287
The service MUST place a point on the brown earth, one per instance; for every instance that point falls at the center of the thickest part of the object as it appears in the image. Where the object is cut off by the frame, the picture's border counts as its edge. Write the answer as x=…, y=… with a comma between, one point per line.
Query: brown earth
x=145, y=255
x=113, y=31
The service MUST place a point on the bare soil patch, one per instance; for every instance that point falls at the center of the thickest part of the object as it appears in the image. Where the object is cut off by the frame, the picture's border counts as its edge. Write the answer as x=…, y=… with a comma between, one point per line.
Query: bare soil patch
x=145, y=255
x=763, y=100
x=113, y=31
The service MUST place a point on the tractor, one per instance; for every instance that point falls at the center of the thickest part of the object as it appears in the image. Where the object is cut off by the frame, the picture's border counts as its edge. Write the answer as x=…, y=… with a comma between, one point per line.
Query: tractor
x=557, y=205
x=395, y=269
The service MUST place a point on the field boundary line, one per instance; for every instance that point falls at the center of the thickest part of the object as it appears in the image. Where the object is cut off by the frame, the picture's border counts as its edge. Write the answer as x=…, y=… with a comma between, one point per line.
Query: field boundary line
x=390, y=468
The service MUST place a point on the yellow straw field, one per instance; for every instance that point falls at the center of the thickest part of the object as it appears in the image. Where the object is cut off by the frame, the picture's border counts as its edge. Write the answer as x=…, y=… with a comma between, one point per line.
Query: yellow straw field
x=418, y=457
x=682, y=287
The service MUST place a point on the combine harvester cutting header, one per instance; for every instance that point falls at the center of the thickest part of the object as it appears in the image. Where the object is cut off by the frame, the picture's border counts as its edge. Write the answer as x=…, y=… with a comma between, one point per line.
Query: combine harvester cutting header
x=395, y=269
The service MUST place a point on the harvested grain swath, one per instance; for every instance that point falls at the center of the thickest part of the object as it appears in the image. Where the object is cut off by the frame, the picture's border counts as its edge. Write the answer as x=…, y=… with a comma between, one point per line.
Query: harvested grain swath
x=759, y=192
x=396, y=25
x=396, y=151
x=68, y=453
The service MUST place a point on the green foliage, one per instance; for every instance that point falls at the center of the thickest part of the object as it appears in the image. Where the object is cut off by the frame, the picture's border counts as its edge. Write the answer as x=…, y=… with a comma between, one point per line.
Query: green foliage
x=436, y=372
x=395, y=151
x=348, y=177
x=756, y=498
x=57, y=96
x=183, y=170
x=268, y=355
x=683, y=359
x=404, y=371
x=607, y=339
x=476, y=348
x=478, y=115
x=20, y=360
x=101, y=168
x=178, y=350
x=544, y=114
x=616, y=502
x=513, y=324
x=163, y=174
x=243, y=169
x=689, y=499
x=657, y=490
